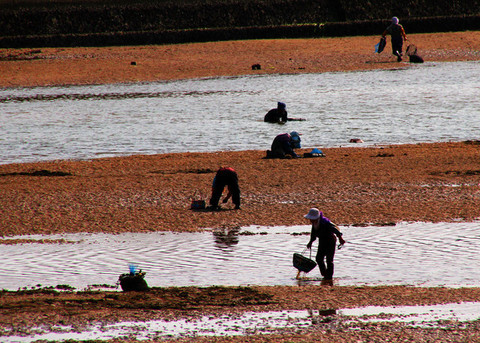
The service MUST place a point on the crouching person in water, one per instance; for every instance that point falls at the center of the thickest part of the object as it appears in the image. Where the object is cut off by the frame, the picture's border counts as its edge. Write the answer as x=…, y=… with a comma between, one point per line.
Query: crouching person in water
x=284, y=144
x=326, y=232
x=226, y=176
x=277, y=115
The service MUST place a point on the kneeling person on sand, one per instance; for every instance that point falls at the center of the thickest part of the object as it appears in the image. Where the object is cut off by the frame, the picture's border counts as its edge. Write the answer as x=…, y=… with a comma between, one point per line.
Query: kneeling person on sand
x=283, y=145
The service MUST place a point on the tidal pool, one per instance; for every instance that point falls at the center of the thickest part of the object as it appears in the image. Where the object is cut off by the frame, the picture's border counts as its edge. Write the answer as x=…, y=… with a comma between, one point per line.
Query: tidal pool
x=258, y=323
x=432, y=102
x=419, y=254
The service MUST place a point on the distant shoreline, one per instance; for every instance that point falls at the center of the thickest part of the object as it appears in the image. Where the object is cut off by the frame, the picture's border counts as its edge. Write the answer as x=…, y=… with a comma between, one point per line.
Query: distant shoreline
x=459, y=23
x=108, y=65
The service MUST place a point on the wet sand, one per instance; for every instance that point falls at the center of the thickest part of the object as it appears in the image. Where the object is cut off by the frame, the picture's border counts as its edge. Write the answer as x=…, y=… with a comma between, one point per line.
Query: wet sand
x=20, y=311
x=421, y=182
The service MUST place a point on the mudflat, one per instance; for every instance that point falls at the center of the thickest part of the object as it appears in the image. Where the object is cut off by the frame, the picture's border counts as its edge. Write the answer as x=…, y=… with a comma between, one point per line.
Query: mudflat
x=381, y=185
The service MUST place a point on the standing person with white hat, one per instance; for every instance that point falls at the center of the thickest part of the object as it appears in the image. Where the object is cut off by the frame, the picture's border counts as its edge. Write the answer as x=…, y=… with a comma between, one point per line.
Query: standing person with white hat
x=398, y=36
x=327, y=233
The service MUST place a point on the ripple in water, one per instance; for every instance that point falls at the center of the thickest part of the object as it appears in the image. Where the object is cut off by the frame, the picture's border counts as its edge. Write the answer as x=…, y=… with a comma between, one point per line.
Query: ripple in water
x=421, y=254
x=425, y=103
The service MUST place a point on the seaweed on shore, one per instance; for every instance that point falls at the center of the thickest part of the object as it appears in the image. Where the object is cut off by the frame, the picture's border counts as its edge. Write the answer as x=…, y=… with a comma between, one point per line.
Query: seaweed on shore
x=42, y=172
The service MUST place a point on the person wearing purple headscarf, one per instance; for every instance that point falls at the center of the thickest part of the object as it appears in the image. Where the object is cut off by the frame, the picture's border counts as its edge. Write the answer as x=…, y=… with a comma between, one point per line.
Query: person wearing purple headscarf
x=398, y=36
x=327, y=233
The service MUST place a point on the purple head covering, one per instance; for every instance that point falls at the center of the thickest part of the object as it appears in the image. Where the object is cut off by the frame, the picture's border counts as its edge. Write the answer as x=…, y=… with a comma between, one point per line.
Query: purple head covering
x=323, y=220
x=394, y=20
x=316, y=214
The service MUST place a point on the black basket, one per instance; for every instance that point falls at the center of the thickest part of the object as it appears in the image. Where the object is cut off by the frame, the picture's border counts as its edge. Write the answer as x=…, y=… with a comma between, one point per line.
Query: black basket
x=197, y=202
x=133, y=282
x=303, y=263
x=411, y=50
x=198, y=205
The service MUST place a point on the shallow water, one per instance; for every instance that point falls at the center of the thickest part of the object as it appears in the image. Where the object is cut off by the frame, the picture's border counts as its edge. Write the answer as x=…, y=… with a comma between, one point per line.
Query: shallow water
x=420, y=254
x=433, y=316
x=420, y=103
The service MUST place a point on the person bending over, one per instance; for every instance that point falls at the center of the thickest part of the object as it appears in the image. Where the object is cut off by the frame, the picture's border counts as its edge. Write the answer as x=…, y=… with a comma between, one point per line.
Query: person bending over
x=225, y=176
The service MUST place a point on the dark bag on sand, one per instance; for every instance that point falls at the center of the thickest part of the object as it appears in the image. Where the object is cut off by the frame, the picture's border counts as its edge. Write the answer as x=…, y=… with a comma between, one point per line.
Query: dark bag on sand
x=197, y=202
x=413, y=55
x=198, y=205
x=415, y=59
x=302, y=263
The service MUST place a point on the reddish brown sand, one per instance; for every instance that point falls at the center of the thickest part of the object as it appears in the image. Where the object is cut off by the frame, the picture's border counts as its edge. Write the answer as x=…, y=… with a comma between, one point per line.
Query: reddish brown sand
x=422, y=182
x=28, y=67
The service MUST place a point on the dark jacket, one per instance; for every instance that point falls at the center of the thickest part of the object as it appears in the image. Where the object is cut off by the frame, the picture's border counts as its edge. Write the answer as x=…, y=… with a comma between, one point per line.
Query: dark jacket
x=282, y=146
x=325, y=230
x=225, y=176
x=276, y=115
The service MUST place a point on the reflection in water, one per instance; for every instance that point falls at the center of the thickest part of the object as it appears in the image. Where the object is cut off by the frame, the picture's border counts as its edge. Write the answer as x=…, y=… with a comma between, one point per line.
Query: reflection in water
x=226, y=237
x=306, y=280
x=254, y=255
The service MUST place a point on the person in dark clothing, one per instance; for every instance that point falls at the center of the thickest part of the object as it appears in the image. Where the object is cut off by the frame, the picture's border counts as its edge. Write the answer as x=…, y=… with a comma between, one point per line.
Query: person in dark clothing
x=398, y=36
x=283, y=145
x=327, y=233
x=226, y=176
x=277, y=115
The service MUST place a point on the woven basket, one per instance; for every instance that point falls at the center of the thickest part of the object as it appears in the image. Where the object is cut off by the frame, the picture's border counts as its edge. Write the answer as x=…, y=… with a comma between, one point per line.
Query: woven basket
x=302, y=263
